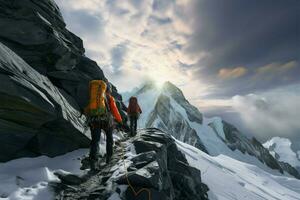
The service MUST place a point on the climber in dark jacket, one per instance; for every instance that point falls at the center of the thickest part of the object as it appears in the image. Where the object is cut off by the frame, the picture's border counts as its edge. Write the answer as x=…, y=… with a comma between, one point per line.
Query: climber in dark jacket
x=133, y=112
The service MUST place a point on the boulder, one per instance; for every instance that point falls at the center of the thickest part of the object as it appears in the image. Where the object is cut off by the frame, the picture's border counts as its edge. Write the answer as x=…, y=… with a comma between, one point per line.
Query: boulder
x=167, y=174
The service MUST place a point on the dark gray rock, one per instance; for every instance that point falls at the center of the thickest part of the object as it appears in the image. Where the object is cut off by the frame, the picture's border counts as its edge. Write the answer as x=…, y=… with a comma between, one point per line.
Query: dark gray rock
x=36, y=31
x=236, y=140
x=289, y=169
x=175, y=179
x=162, y=173
x=36, y=119
x=44, y=81
x=69, y=179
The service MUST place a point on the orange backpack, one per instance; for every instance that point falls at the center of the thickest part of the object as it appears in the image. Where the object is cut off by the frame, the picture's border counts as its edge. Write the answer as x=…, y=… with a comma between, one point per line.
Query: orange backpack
x=97, y=105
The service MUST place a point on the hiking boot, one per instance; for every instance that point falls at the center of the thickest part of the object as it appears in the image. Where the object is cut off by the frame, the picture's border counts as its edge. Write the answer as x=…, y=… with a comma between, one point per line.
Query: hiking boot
x=93, y=164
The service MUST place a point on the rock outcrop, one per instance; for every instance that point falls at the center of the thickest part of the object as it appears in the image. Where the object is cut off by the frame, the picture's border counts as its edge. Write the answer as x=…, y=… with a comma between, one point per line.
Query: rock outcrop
x=289, y=169
x=44, y=78
x=154, y=166
x=36, y=31
x=35, y=117
x=236, y=140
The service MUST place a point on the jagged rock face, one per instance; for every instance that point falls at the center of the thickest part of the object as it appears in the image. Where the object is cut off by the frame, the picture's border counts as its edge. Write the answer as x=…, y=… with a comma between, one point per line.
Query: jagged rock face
x=182, y=180
x=173, y=122
x=35, y=117
x=35, y=30
x=194, y=115
x=157, y=167
x=44, y=81
x=253, y=147
x=290, y=169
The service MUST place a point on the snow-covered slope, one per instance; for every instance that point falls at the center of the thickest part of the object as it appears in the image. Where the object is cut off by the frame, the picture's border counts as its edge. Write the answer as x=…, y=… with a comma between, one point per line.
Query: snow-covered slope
x=226, y=178
x=230, y=179
x=29, y=178
x=281, y=149
x=166, y=108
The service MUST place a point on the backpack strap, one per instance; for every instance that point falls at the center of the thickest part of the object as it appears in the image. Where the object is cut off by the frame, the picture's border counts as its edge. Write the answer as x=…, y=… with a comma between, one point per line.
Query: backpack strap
x=107, y=103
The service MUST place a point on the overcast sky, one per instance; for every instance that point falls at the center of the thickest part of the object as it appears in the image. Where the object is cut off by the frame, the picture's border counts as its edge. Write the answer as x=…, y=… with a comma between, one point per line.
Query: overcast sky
x=226, y=55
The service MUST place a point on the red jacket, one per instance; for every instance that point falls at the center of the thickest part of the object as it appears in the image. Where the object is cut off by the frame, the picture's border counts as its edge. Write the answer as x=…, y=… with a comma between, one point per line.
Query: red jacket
x=114, y=109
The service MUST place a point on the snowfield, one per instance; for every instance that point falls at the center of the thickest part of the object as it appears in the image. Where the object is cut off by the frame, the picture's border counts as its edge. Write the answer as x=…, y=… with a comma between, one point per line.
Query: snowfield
x=230, y=179
x=28, y=178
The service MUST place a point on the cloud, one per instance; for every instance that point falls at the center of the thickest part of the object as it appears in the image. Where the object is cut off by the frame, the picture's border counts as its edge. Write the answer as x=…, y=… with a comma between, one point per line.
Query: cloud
x=276, y=68
x=271, y=113
x=225, y=73
x=243, y=33
x=135, y=40
x=159, y=20
x=118, y=54
x=116, y=7
x=188, y=42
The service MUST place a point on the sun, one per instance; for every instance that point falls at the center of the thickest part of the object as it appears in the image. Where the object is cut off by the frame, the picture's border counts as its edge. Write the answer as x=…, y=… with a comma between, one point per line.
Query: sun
x=159, y=82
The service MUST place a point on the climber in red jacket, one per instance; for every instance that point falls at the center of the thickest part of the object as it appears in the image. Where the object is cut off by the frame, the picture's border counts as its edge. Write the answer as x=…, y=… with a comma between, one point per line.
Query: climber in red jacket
x=133, y=112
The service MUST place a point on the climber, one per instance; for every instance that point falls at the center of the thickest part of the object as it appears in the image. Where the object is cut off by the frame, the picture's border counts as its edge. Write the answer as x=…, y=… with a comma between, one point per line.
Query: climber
x=102, y=113
x=133, y=112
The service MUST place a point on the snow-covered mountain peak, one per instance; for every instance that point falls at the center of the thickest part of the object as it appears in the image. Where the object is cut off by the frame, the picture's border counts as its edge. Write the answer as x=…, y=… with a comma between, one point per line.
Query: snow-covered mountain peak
x=280, y=148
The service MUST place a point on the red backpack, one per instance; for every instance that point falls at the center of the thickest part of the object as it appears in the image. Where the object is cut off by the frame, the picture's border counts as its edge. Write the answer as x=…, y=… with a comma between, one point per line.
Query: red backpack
x=133, y=107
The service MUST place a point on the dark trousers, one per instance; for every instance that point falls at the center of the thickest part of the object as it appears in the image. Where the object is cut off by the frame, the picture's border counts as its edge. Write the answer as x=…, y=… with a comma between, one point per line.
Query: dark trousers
x=133, y=125
x=96, y=134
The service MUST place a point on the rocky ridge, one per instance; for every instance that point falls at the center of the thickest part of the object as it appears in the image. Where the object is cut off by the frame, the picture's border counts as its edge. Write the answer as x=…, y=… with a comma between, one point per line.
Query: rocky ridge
x=156, y=169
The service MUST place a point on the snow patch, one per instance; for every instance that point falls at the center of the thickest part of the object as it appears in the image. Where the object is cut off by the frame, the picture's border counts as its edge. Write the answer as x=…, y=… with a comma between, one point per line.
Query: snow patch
x=27, y=178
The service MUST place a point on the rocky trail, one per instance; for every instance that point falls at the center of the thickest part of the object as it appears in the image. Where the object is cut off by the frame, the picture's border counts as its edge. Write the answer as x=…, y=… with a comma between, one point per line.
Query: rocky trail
x=142, y=167
x=92, y=184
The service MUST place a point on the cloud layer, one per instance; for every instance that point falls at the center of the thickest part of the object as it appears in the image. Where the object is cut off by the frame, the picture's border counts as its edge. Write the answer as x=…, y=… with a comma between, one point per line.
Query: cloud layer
x=251, y=34
x=135, y=40
x=271, y=113
x=220, y=48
